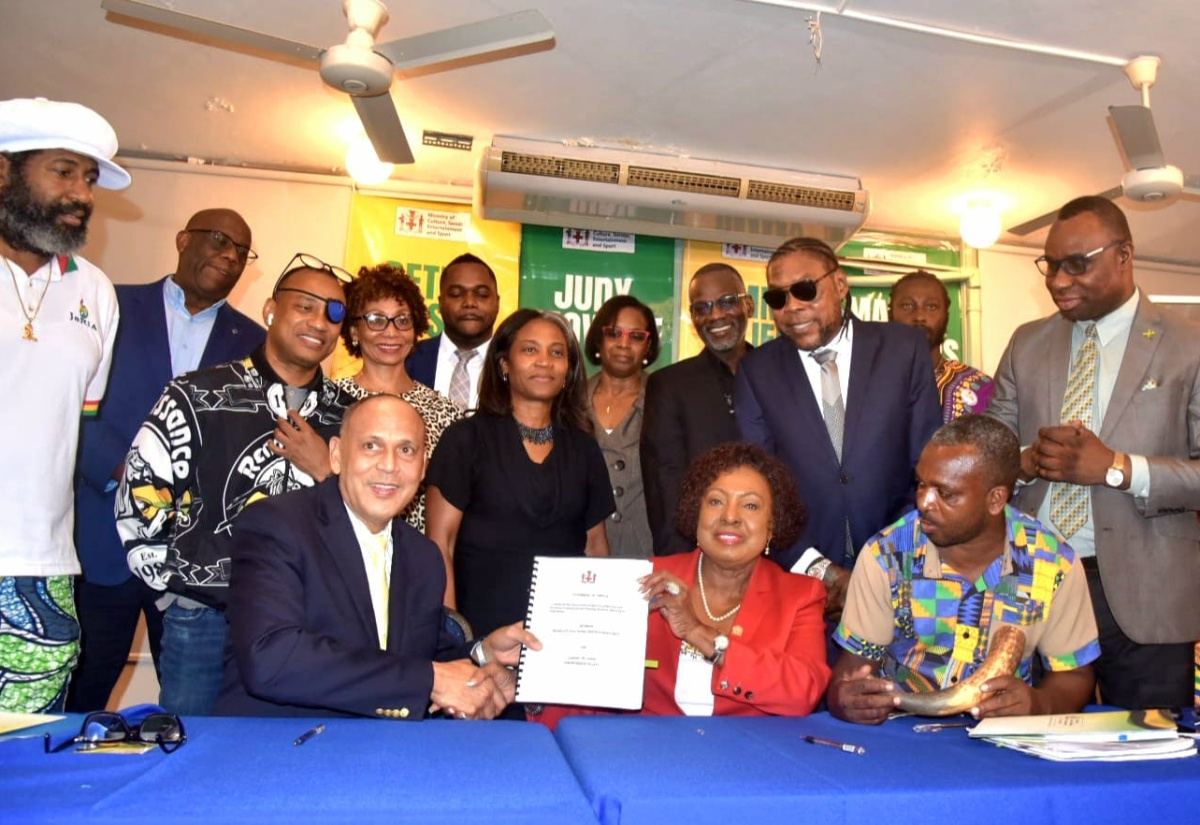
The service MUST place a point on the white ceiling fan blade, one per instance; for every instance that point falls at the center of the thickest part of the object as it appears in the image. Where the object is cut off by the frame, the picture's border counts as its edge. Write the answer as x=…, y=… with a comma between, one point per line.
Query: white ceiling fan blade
x=1139, y=138
x=1042, y=221
x=382, y=124
x=1191, y=186
x=495, y=34
x=212, y=29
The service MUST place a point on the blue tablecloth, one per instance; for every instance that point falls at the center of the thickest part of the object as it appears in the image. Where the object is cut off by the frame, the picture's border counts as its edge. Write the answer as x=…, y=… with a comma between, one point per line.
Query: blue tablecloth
x=357, y=771
x=760, y=771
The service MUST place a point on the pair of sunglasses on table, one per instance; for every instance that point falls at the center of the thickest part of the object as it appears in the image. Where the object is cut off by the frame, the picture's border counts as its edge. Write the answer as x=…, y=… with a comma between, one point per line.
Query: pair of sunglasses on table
x=106, y=728
x=335, y=310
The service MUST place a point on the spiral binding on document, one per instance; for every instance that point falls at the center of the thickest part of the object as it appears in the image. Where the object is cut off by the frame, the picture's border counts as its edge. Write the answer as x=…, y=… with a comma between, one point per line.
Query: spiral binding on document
x=528, y=619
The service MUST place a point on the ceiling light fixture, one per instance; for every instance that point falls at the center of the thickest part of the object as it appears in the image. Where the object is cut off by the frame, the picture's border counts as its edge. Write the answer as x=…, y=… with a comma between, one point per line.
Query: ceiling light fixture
x=980, y=224
x=364, y=165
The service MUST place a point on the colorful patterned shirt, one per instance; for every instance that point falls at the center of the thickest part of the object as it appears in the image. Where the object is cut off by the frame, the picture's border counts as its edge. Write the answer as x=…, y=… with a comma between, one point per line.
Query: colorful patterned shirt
x=930, y=627
x=963, y=390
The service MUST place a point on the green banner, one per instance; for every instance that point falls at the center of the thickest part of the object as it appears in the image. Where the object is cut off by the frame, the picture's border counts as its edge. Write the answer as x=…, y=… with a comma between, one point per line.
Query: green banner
x=574, y=271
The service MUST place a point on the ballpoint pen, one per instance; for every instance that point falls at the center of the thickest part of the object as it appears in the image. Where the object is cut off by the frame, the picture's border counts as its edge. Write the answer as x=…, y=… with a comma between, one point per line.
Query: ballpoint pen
x=829, y=743
x=308, y=734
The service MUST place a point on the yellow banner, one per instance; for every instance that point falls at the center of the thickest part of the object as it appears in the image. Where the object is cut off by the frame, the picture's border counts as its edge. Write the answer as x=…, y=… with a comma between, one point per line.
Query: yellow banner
x=423, y=237
x=751, y=262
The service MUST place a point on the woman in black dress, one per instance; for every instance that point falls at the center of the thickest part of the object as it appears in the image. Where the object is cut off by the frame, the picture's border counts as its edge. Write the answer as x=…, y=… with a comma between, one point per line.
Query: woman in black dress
x=523, y=477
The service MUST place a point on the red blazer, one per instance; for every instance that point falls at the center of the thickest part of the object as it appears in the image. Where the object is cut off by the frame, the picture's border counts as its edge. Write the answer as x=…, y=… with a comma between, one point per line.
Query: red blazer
x=775, y=663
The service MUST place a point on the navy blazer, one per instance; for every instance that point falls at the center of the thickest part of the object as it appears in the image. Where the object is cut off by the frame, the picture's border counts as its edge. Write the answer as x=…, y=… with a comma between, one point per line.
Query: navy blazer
x=141, y=368
x=302, y=634
x=892, y=410
x=422, y=361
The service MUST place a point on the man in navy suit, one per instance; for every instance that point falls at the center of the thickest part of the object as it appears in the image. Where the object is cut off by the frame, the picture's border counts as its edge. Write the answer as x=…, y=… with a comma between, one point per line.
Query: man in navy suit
x=335, y=603
x=169, y=327
x=847, y=405
x=468, y=301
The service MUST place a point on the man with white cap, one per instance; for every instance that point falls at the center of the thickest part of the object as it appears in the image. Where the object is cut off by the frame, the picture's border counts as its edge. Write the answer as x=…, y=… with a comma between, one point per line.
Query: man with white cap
x=58, y=320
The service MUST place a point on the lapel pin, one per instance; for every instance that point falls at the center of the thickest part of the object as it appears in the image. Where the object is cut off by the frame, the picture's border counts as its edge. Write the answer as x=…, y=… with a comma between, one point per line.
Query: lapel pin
x=1151, y=384
x=1149, y=334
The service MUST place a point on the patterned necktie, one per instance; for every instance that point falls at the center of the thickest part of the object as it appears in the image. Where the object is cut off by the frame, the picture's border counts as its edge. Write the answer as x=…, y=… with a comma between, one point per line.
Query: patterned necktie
x=1069, y=502
x=381, y=572
x=831, y=398
x=460, y=379
x=834, y=412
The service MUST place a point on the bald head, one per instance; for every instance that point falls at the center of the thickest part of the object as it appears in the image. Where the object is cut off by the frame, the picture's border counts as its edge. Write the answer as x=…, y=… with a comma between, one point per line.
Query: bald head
x=214, y=249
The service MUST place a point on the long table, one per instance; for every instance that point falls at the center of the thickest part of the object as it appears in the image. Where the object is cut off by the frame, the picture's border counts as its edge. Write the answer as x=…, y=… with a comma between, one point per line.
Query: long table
x=247, y=770
x=725, y=770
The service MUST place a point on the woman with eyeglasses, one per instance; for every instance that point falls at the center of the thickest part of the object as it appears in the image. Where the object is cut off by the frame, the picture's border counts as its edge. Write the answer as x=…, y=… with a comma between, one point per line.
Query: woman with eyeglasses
x=623, y=341
x=523, y=477
x=385, y=315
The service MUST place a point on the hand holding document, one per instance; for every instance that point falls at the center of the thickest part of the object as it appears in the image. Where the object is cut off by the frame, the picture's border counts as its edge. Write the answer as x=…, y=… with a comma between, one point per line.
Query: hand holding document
x=591, y=618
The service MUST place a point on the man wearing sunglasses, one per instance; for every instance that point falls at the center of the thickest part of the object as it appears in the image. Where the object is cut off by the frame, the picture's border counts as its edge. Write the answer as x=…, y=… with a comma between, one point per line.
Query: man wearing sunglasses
x=1105, y=399
x=216, y=441
x=689, y=405
x=847, y=405
x=171, y=326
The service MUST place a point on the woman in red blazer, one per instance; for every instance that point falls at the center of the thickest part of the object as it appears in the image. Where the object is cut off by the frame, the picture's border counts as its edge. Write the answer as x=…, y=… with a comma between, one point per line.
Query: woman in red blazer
x=731, y=633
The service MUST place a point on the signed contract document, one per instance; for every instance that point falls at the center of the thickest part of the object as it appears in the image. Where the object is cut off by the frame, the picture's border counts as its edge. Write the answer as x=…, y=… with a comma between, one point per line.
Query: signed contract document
x=591, y=618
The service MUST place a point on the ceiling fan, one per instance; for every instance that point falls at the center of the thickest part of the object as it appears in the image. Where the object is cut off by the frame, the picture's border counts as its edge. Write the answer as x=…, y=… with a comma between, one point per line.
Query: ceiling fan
x=1150, y=178
x=361, y=67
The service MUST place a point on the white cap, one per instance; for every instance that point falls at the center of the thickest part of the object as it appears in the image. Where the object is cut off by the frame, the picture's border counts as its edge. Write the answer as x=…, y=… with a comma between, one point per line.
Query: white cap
x=36, y=123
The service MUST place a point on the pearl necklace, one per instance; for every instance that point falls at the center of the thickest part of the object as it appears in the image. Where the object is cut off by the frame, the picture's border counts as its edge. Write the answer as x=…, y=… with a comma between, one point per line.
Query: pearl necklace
x=704, y=596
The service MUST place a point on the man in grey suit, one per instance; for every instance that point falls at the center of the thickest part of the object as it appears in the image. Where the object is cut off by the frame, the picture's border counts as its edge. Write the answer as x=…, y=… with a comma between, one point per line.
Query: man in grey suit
x=1105, y=398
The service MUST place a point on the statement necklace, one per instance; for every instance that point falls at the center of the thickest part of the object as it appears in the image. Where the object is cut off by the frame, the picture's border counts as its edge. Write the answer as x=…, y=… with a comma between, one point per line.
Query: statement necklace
x=536, y=435
x=29, y=319
x=704, y=597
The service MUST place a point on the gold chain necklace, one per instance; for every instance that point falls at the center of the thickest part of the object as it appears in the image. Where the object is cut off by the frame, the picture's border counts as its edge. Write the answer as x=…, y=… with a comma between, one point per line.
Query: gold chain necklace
x=704, y=596
x=29, y=319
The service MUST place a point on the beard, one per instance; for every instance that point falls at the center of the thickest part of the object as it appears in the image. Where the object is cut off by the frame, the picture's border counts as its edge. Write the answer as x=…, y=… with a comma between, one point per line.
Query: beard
x=28, y=225
x=935, y=336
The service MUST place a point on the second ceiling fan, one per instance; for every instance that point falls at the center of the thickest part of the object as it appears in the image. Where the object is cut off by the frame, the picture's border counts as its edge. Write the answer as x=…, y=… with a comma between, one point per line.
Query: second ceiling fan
x=360, y=67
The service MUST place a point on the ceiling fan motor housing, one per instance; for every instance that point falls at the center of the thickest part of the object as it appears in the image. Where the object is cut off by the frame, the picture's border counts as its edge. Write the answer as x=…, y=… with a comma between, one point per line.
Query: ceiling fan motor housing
x=356, y=70
x=1154, y=184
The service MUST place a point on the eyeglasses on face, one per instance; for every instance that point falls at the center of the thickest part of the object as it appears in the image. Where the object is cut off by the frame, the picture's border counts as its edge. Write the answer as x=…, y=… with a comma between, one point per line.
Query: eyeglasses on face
x=222, y=242
x=377, y=321
x=1073, y=265
x=638, y=336
x=107, y=728
x=726, y=303
x=806, y=290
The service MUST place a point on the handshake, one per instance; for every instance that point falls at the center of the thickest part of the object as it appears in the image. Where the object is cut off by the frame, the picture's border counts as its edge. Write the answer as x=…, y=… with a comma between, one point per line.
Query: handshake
x=466, y=690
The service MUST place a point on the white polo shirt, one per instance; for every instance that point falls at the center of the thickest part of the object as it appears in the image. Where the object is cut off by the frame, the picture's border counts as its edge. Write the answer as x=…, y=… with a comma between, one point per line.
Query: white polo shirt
x=47, y=383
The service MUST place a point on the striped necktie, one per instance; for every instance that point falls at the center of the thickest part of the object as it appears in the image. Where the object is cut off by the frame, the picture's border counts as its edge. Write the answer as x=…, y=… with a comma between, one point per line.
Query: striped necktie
x=1069, y=502
x=460, y=379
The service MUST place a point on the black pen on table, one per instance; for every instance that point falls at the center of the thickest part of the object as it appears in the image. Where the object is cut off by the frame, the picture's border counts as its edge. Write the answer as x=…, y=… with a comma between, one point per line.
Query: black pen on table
x=829, y=743
x=308, y=734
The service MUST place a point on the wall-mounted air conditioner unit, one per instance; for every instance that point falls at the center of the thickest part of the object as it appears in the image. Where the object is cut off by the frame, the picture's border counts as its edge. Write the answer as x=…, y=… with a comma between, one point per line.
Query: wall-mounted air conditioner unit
x=546, y=183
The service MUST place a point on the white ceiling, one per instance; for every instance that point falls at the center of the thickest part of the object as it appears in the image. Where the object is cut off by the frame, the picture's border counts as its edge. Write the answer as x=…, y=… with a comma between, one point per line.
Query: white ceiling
x=921, y=120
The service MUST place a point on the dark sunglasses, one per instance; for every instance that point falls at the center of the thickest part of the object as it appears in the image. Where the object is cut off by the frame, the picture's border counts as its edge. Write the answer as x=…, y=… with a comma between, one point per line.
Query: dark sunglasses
x=726, y=303
x=377, y=321
x=1073, y=265
x=806, y=290
x=335, y=310
x=221, y=242
x=107, y=728
x=638, y=336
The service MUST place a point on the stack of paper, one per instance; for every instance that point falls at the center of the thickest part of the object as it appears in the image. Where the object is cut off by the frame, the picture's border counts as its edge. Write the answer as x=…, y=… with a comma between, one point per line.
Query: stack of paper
x=1111, y=736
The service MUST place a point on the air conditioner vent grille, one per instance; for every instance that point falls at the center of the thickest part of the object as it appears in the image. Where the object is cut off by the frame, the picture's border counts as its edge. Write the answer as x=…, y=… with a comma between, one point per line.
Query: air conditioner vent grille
x=684, y=181
x=568, y=168
x=800, y=195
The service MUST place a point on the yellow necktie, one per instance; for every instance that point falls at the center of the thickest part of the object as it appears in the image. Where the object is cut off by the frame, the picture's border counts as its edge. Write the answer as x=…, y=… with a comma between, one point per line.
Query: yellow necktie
x=383, y=575
x=1069, y=502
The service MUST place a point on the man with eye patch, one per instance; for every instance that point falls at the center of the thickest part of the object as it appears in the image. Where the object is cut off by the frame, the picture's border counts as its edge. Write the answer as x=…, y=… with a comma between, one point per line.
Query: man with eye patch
x=1105, y=399
x=847, y=405
x=216, y=441
x=689, y=405
x=171, y=326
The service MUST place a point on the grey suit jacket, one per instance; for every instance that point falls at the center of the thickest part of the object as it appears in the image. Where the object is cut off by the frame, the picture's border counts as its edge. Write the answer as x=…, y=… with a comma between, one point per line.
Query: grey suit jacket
x=1148, y=551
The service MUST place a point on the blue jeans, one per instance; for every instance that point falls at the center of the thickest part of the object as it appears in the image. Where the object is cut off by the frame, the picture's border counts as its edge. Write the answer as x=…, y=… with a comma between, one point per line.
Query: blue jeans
x=193, y=659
